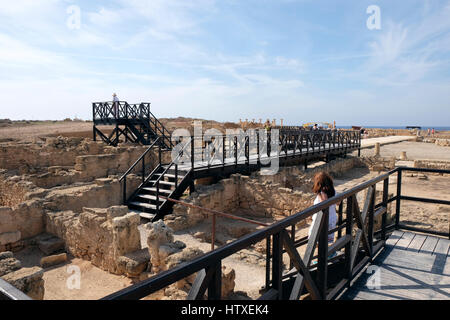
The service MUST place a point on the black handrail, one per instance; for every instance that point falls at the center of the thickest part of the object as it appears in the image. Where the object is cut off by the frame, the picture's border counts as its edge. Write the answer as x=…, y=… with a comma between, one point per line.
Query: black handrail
x=123, y=178
x=139, y=159
x=156, y=183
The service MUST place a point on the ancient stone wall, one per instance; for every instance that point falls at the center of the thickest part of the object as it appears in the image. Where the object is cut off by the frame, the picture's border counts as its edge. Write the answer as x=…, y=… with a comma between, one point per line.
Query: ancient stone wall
x=61, y=161
x=27, y=280
x=101, y=236
x=27, y=219
x=432, y=164
x=28, y=157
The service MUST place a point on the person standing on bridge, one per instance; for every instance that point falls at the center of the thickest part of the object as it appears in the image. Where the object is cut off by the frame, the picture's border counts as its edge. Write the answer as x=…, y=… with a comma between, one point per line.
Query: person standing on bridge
x=324, y=189
x=116, y=105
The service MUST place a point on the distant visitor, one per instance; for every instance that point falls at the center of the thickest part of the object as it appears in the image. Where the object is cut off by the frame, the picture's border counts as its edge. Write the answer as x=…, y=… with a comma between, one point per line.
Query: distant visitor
x=116, y=105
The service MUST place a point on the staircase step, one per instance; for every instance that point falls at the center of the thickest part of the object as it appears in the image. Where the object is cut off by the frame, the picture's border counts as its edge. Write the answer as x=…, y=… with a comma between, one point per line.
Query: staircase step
x=143, y=205
x=149, y=197
x=163, y=182
x=146, y=215
x=160, y=190
x=170, y=175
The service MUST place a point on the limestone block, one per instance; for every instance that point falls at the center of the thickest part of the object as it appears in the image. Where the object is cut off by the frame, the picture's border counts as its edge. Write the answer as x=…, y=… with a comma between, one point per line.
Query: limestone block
x=134, y=263
x=51, y=245
x=9, y=264
x=6, y=220
x=6, y=255
x=228, y=281
x=28, y=280
x=9, y=237
x=187, y=254
x=53, y=260
x=116, y=211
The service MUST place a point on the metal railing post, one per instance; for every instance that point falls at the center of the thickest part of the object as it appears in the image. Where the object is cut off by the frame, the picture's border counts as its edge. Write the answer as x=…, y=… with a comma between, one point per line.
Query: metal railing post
x=192, y=152
x=236, y=150
x=277, y=264
x=215, y=285
x=258, y=159
x=268, y=258
x=385, y=204
x=176, y=175
x=143, y=169
x=124, y=191
x=348, y=246
x=399, y=194
x=223, y=150
x=370, y=222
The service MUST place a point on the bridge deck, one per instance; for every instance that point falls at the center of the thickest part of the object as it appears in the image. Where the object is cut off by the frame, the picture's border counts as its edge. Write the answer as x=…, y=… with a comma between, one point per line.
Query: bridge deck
x=241, y=159
x=412, y=267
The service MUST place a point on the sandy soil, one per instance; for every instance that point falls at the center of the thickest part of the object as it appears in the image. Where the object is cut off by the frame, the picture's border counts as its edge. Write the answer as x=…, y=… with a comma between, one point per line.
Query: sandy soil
x=34, y=130
x=94, y=282
x=414, y=151
x=28, y=132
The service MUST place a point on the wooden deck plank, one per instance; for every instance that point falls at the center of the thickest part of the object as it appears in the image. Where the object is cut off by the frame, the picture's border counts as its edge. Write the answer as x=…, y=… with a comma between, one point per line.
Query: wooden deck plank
x=415, y=261
x=447, y=266
x=410, y=273
x=416, y=243
x=429, y=245
x=404, y=242
x=402, y=283
x=442, y=247
x=394, y=238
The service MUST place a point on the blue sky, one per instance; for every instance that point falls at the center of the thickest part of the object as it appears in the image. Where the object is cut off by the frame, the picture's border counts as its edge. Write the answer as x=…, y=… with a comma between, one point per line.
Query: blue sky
x=301, y=60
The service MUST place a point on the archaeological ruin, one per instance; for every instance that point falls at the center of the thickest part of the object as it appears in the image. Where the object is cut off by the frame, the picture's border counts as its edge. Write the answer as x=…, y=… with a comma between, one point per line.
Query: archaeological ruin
x=130, y=210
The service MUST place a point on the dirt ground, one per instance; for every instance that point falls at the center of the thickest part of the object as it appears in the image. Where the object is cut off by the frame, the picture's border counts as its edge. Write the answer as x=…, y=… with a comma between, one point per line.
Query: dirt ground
x=94, y=282
x=414, y=151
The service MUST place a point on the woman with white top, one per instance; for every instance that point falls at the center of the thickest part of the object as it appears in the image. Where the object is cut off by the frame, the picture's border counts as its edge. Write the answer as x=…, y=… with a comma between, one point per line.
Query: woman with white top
x=324, y=189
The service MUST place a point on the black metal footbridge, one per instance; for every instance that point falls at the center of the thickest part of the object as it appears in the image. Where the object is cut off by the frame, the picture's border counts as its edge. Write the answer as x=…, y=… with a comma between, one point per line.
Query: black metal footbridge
x=208, y=155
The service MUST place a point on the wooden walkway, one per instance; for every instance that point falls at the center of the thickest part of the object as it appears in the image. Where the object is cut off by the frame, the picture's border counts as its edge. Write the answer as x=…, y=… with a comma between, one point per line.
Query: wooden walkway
x=412, y=267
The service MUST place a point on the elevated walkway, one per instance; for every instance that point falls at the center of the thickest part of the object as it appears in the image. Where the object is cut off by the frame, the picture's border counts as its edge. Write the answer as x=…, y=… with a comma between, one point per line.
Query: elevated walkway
x=202, y=157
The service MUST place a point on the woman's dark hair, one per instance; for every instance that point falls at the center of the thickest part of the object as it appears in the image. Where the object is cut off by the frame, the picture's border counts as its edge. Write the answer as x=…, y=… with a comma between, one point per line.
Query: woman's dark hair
x=324, y=183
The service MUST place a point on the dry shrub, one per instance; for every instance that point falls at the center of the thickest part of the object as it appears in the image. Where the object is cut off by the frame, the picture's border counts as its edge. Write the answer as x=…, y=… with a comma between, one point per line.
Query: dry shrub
x=11, y=195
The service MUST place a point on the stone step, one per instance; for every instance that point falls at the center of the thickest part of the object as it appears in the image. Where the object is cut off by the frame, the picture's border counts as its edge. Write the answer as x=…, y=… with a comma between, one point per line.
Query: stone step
x=51, y=245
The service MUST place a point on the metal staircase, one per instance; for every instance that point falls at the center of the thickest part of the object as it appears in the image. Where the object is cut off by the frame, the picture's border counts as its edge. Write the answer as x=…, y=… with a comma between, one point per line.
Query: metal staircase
x=165, y=181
